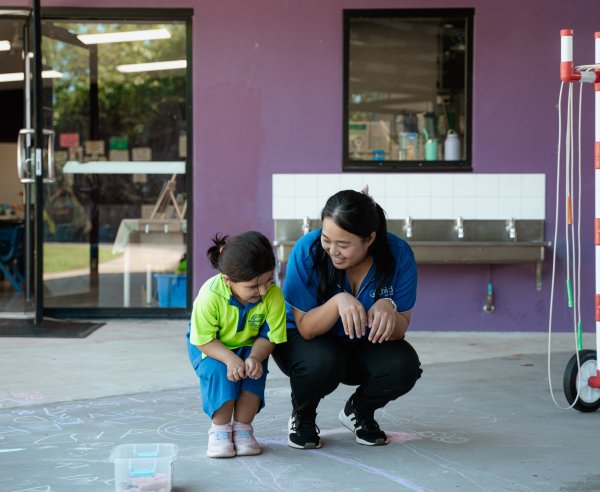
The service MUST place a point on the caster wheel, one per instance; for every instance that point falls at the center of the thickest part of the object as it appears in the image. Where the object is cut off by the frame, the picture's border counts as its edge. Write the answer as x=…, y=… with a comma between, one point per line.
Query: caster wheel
x=589, y=398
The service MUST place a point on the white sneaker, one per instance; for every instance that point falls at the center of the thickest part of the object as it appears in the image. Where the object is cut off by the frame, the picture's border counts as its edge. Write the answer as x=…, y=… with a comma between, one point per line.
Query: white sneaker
x=220, y=442
x=244, y=441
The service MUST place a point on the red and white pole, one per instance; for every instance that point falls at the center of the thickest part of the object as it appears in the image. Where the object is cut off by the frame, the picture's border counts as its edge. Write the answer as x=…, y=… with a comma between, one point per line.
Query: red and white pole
x=567, y=74
x=594, y=381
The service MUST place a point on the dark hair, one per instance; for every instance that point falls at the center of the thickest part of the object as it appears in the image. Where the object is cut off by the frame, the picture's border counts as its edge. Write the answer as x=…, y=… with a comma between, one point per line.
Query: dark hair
x=243, y=257
x=360, y=215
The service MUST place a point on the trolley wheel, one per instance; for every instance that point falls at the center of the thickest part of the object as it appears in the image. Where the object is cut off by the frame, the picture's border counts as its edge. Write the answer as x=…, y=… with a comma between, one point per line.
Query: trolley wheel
x=589, y=398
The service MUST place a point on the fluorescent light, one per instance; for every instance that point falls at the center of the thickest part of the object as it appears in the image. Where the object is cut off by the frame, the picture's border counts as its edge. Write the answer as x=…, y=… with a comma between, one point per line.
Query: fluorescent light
x=52, y=74
x=4, y=45
x=11, y=77
x=120, y=37
x=18, y=76
x=149, y=67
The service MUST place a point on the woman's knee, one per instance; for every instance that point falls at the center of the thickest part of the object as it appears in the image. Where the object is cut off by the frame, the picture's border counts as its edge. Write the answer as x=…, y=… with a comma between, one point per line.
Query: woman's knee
x=314, y=360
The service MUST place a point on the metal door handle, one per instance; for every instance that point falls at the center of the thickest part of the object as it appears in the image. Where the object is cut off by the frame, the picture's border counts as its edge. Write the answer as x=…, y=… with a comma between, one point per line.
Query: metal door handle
x=22, y=171
x=24, y=165
x=51, y=174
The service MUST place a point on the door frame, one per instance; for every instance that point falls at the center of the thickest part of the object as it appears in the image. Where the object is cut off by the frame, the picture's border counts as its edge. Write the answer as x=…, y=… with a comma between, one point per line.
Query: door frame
x=132, y=14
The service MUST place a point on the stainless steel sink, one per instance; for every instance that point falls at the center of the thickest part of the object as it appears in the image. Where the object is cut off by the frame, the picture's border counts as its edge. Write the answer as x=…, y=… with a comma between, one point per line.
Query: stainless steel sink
x=448, y=241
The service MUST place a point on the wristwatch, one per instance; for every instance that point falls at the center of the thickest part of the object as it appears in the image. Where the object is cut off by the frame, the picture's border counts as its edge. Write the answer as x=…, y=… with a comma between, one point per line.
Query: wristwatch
x=392, y=301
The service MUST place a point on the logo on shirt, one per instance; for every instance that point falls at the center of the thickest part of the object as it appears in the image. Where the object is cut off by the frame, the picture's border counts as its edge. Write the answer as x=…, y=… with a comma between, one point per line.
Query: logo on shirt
x=384, y=292
x=256, y=320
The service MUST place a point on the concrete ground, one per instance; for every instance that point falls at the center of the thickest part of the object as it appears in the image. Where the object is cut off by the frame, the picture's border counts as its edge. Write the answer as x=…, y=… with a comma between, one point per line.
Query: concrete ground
x=481, y=418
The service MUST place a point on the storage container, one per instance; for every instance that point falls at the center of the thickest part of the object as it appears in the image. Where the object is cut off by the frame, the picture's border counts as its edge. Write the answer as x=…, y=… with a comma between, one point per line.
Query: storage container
x=144, y=467
x=172, y=289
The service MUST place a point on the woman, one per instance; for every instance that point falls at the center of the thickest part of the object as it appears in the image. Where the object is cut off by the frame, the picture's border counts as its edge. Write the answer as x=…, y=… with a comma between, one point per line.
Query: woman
x=349, y=289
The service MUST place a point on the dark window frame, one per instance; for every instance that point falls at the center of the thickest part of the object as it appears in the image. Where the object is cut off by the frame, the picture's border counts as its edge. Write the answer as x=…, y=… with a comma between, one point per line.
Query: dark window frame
x=463, y=165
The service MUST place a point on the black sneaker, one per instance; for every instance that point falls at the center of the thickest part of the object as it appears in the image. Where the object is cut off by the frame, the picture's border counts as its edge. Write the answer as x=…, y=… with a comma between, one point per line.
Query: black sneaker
x=303, y=431
x=363, y=424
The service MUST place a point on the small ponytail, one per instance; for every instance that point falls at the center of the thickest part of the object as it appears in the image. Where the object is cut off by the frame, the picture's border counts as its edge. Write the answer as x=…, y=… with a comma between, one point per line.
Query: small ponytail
x=214, y=252
x=243, y=257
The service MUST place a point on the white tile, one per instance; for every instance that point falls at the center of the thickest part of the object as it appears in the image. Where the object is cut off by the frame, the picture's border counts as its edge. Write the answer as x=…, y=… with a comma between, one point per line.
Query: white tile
x=284, y=207
x=376, y=184
x=308, y=206
x=305, y=185
x=352, y=181
x=327, y=185
x=534, y=185
x=396, y=185
x=487, y=207
x=396, y=207
x=283, y=184
x=419, y=207
x=418, y=185
x=511, y=207
x=464, y=206
x=487, y=185
x=463, y=184
x=511, y=185
x=441, y=207
x=441, y=185
x=533, y=208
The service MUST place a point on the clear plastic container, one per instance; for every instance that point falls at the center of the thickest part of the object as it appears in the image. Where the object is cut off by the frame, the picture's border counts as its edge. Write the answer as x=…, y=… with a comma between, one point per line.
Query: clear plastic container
x=144, y=467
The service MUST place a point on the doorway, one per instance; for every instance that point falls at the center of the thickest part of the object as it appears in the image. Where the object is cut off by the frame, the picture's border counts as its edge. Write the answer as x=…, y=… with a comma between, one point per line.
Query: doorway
x=115, y=99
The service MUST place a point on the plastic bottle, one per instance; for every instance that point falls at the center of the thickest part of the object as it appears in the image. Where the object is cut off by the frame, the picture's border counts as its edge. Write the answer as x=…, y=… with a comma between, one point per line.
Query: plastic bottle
x=452, y=147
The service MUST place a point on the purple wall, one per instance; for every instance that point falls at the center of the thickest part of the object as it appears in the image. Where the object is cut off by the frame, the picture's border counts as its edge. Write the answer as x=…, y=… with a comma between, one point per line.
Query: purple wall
x=268, y=99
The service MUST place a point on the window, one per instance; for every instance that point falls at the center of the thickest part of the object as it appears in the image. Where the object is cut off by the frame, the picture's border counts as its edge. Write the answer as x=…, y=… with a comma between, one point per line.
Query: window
x=407, y=90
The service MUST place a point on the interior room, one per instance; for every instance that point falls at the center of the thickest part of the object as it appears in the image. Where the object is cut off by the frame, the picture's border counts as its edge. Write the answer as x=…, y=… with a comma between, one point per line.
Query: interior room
x=135, y=133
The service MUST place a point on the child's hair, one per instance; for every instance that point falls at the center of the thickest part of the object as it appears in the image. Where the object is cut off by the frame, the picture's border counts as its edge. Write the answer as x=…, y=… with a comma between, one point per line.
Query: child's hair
x=243, y=257
x=358, y=214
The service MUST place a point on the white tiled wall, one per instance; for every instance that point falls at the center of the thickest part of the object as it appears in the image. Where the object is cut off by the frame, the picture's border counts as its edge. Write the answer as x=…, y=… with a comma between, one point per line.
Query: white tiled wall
x=420, y=196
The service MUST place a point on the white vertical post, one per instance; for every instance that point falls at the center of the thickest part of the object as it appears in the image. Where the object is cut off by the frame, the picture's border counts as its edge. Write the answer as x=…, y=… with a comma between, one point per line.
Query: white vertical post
x=148, y=283
x=126, y=277
x=597, y=198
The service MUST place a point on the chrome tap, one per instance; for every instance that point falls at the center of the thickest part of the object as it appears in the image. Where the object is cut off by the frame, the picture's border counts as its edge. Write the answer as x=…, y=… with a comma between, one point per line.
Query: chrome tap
x=460, y=228
x=511, y=228
x=408, y=227
x=305, y=225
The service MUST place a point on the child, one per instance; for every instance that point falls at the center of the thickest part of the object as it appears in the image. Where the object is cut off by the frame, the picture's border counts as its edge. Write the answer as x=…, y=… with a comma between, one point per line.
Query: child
x=238, y=317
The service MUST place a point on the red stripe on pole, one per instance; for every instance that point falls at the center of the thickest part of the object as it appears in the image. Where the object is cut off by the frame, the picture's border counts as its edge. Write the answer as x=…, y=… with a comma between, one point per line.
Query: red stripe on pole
x=597, y=154
x=597, y=232
x=566, y=32
x=566, y=72
x=597, y=307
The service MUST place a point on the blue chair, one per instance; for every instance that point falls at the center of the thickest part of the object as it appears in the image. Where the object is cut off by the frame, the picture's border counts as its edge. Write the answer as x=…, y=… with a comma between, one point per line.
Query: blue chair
x=11, y=253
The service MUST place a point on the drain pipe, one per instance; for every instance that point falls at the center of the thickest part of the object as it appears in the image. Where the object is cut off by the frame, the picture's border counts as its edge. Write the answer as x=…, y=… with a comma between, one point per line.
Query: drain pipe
x=489, y=299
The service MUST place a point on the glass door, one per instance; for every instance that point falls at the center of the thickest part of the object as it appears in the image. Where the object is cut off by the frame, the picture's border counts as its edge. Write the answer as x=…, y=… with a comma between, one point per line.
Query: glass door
x=103, y=145
x=115, y=219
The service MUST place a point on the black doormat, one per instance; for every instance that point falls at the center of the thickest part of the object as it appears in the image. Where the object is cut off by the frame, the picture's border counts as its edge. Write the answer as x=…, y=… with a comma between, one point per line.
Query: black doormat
x=49, y=328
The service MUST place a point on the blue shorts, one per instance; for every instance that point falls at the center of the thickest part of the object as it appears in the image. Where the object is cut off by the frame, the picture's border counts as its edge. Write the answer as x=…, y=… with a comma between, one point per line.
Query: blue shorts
x=215, y=388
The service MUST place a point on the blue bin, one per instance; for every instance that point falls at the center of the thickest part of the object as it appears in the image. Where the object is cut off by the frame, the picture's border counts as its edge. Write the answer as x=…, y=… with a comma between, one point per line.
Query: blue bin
x=172, y=289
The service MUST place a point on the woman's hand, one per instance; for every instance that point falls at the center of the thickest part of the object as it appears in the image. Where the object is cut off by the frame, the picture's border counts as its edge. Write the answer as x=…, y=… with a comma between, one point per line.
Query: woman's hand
x=382, y=320
x=254, y=367
x=236, y=369
x=352, y=314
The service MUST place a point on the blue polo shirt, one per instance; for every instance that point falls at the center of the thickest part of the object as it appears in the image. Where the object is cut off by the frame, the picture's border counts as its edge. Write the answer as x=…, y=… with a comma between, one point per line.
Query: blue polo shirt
x=300, y=285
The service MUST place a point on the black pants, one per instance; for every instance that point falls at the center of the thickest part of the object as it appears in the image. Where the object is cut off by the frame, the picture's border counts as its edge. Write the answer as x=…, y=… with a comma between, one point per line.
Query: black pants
x=382, y=371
